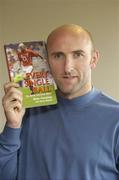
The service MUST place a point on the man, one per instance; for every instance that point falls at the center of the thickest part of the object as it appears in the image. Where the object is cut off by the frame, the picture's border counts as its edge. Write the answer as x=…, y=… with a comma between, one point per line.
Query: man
x=77, y=139
x=25, y=56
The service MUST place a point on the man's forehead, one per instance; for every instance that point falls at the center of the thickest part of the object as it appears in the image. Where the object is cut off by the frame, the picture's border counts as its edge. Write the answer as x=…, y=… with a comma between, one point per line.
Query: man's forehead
x=67, y=39
x=64, y=30
x=68, y=33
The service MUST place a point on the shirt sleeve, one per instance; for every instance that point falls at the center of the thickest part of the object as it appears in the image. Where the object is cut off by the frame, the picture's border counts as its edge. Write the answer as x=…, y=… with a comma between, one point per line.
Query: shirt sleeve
x=116, y=148
x=9, y=147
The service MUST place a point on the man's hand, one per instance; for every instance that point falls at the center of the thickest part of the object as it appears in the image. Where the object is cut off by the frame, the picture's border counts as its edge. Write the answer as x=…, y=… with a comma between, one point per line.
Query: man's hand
x=12, y=104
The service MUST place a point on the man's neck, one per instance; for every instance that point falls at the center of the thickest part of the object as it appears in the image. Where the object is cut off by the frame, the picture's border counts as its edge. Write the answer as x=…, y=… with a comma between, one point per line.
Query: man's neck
x=76, y=94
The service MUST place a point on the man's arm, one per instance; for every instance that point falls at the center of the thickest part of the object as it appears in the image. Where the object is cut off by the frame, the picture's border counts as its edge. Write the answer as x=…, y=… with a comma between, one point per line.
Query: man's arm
x=35, y=54
x=10, y=137
x=9, y=147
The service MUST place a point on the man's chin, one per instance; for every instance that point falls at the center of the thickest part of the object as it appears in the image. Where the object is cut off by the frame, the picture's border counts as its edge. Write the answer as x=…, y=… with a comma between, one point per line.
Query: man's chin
x=65, y=92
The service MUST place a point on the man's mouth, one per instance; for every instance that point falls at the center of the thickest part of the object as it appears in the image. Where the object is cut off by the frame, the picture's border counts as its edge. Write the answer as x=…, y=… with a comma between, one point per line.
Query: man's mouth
x=69, y=76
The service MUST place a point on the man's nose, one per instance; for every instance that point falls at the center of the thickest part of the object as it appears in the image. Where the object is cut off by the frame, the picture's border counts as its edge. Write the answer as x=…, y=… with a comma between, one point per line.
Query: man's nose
x=69, y=65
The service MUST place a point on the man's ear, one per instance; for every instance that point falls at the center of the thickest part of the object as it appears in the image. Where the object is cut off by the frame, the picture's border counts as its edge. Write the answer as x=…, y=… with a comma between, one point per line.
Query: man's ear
x=95, y=58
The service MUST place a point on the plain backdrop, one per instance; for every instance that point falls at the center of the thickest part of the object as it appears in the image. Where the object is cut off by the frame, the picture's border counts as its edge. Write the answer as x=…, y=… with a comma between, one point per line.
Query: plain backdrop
x=27, y=20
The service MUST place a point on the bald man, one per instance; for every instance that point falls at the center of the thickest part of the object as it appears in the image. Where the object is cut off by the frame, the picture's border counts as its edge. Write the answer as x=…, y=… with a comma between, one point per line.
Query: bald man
x=77, y=139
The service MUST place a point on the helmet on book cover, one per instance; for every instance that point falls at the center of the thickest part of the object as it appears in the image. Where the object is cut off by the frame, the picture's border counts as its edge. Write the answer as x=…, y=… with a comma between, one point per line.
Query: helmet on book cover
x=21, y=46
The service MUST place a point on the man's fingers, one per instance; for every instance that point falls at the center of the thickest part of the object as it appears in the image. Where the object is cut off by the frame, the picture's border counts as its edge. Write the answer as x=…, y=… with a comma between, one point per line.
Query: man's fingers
x=9, y=85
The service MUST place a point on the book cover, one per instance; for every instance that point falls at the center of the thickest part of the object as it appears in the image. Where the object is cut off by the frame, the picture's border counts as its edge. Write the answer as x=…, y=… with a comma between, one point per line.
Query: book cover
x=27, y=65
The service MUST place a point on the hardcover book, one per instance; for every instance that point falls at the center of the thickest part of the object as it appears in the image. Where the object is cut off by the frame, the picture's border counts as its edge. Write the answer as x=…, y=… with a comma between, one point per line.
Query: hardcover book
x=27, y=65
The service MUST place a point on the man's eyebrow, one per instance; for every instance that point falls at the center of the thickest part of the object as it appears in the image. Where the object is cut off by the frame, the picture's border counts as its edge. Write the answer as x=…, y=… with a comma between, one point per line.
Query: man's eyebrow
x=56, y=52
x=60, y=52
x=78, y=51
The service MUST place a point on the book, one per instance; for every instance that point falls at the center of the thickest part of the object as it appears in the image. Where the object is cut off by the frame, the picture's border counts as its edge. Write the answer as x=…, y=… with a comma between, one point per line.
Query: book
x=27, y=65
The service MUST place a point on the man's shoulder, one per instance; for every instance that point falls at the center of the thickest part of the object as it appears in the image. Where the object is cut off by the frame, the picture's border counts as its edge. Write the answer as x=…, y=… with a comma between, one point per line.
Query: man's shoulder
x=107, y=100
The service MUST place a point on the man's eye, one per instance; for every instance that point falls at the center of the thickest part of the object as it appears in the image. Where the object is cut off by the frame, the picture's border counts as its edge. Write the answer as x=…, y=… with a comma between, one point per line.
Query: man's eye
x=77, y=54
x=58, y=55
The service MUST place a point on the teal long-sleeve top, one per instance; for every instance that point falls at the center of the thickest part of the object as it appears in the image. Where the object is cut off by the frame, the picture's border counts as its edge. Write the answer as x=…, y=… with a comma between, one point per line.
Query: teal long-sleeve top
x=76, y=139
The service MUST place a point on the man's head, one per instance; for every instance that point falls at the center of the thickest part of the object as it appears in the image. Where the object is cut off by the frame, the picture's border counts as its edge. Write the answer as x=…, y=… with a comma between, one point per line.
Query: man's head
x=21, y=46
x=71, y=56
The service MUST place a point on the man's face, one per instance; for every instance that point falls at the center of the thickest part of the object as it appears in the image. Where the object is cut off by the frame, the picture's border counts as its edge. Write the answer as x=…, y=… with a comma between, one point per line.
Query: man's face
x=22, y=47
x=70, y=58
